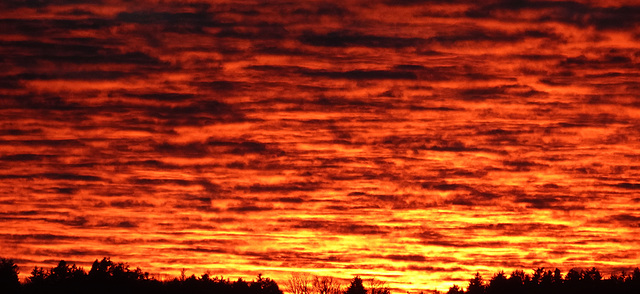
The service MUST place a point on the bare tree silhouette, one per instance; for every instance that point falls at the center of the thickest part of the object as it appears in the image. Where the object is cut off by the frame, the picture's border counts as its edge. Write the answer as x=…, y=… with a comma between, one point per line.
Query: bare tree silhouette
x=326, y=285
x=300, y=283
x=377, y=286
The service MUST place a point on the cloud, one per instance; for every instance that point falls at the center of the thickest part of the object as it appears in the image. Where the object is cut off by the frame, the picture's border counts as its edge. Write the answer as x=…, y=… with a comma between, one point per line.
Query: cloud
x=25, y=157
x=42, y=27
x=443, y=186
x=523, y=165
x=356, y=74
x=55, y=176
x=53, y=143
x=14, y=4
x=79, y=52
x=154, y=182
x=283, y=188
x=468, y=244
x=420, y=2
x=628, y=186
x=349, y=102
x=247, y=147
x=520, y=228
x=409, y=257
x=345, y=227
x=199, y=249
x=130, y=203
x=249, y=207
x=537, y=57
x=126, y=224
x=79, y=221
x=550, y=202
x=262, y=31
x=291, y=199
x=197, y=113
x=500, y=92
x=243, y=148
x=479, y=34
x=453, y=146
x=434, y=269
x=71, y=253
x=163, y=96
x=38, y=237
x=464, y=173
x=622, y=219
x=604, y=61
x=76, y=75
x=569, y=12
x=213, y=145
x=354, y=39
x=172, y=21
x=223, y=85
x=70, y=177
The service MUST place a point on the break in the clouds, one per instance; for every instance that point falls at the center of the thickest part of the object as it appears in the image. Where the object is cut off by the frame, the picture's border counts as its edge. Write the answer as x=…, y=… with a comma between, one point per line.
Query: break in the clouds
x=415, y=141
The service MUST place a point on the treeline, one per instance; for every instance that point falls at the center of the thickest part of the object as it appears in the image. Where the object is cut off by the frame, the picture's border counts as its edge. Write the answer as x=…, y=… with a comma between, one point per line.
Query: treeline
x=106, y=276
x=110, y=277
x=311, y=284
x=575, y=281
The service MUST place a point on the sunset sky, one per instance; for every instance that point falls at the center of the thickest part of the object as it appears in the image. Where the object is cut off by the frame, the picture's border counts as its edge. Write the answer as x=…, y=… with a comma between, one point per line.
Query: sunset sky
x=418, y=142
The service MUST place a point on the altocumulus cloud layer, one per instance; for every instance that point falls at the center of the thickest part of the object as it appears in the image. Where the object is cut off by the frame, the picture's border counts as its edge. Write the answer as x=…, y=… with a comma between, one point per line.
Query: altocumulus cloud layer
x=414, y=141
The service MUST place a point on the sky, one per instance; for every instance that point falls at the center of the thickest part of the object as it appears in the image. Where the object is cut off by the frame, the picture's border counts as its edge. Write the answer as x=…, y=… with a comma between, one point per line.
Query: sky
x=417, y=142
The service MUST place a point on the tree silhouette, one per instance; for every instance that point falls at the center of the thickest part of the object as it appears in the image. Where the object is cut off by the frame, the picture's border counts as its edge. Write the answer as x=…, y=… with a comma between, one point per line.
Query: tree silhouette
x=356, y=287
x=455, y=289
x=264, y=286
x=557, y=277
x=100, y=269
x=576, y=281
x=573, y=276
x=636, y=275
x=299, y=283
x=635, y=279
x=517, y=280
x=377, y=286
x=592, y=275
x=106, y=277
x=9, y=282
x=476, y=285
x=38, y=276
x=499, y=284
x=60, y=272
x=326, y=285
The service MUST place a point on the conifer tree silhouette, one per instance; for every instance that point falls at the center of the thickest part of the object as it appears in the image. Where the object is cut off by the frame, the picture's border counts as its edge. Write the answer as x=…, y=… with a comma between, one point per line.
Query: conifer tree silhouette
x=356, y=287
x=476, y=285
x=9, y=282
